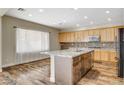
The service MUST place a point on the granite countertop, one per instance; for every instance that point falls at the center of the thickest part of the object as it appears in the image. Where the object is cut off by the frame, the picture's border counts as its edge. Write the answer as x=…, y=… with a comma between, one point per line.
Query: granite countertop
x=111, y=49
x=68, y=52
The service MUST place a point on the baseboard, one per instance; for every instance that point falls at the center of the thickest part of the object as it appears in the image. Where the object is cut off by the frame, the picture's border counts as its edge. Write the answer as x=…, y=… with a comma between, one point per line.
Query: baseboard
x=13, y=64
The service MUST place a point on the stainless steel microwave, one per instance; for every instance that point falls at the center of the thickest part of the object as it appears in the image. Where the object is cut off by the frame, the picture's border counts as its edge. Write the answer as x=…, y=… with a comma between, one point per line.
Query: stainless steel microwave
x=93, y=38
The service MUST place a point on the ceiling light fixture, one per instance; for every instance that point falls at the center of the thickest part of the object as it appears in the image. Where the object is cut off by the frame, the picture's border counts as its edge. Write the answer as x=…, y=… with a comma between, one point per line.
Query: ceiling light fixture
x=41, y=10
x=75, y=8
x=64, y=21
x=30, y=15
x=85, y=17
x=109, y=19
x=107, y=12
x=91, y=22
x=77, y=25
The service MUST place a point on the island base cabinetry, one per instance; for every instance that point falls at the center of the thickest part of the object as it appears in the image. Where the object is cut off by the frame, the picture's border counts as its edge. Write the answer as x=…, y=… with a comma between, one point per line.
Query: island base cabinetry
x=70, y=70
x=77, y=70
x=87, y=62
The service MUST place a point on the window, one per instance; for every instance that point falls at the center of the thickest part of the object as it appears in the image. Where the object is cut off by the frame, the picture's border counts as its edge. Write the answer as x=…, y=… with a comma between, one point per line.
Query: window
x=29, y=44
x=31, y=41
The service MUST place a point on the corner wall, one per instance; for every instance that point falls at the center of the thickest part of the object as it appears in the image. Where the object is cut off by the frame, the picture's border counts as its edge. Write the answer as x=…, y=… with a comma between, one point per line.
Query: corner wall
x=0, y=45
x=9, y=37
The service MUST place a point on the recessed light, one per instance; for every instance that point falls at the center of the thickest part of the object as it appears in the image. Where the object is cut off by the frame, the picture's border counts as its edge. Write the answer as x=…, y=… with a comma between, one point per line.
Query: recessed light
x=77, y=25
x=41, y=10
x=85, y=17
x=107, y=12
x=75, y=8
x=64, y=21
x=91, y=22
x=109, y=19
x=30, y=15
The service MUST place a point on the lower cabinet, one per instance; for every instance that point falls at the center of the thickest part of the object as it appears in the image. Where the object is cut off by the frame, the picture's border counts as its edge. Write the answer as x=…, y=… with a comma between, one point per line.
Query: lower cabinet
x=70, y=70
x=105, y=55
x=81, y=66
x=87, y=62
x=76, y=72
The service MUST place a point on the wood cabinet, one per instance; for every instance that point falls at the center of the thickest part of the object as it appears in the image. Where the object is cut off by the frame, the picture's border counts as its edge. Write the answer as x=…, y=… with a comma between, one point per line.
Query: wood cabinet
x=105, y=55
x=81, y=66
x=77, y=36
x=97, y=55
x=96, y=32
x=90, y=32
x=85, y=36
x=103, y=35
x=66, y=37
x=76, y=71
x=87, y=62
x=112, y=56
x=69, y=70
x=106, y=35
x=62, y=37
x=72, y=36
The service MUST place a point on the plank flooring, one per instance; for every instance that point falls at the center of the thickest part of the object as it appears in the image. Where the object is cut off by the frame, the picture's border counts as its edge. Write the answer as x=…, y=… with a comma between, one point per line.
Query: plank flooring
x=102, y=74
x=38, y=73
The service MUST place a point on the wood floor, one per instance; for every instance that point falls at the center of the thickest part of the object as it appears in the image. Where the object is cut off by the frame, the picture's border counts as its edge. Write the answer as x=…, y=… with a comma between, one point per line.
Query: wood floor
x=38, y=73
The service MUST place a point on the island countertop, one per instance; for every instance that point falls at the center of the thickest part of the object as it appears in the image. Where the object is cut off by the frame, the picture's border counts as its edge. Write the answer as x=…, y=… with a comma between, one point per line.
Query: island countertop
x=68, y=52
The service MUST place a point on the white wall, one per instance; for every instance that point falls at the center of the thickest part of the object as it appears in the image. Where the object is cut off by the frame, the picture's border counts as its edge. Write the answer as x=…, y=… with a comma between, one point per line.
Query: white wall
x=9, y=37
x=0, y=44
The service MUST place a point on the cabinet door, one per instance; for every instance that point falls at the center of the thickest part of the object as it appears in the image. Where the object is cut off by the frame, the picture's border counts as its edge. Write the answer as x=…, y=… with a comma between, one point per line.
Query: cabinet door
x=112, y=56
x=72, y=35
x=86, y=62
x=76, y=72
x=90, y=32
x=107, y=35
x=97, y=55
x=82, y=36
x=77, y=36
x=85, y=36
x=110, y=35
x=104, y=55
x=68, y=37
x=63, y=37
x=96, y=32
x=103, y=35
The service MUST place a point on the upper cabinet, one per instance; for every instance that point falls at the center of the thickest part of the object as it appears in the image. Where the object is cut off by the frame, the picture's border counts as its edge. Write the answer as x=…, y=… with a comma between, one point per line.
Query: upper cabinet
x=106, y=35
x=62, y=37
x=66, y=37
x=77, y=36
x=103, y=35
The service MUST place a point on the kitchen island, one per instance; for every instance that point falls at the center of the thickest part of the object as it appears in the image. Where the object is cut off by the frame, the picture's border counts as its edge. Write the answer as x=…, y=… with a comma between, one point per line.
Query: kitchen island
x=68, y=66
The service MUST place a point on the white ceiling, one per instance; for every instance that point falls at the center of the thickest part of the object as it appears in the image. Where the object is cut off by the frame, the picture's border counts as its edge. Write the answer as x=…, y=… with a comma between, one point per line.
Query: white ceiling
x=69, y=18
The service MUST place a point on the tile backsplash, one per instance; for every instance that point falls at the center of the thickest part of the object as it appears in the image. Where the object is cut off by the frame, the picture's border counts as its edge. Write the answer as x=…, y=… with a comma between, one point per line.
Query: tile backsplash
x=110, y=45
